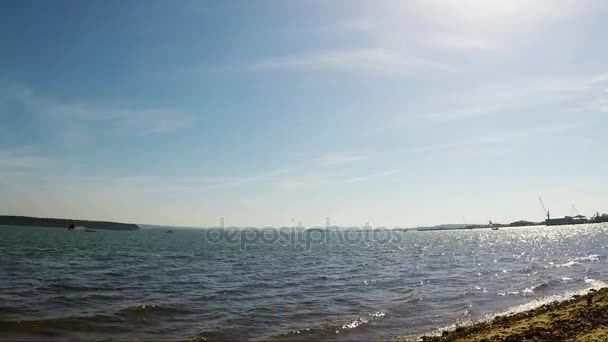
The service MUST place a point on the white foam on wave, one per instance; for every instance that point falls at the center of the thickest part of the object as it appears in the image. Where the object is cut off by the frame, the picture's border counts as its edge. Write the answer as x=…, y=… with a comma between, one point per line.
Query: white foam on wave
x=593, y=284
x=524, y=292
x=576, y=261
x=569, y=264
x=592, y=257
x=354, y=324
x=530, y=289
x=338, y=329
x=361, y=321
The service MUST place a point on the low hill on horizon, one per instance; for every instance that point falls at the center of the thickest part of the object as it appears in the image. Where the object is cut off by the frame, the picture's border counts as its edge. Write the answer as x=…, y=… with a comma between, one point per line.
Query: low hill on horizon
x=27, y=221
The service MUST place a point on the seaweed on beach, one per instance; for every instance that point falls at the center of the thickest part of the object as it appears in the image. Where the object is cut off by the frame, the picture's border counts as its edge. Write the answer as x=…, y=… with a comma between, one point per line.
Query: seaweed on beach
x=582, y=318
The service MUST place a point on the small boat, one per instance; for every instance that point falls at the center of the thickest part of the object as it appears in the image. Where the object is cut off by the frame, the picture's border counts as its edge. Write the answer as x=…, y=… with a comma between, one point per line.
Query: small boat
x=494, y=228
x=169, y=231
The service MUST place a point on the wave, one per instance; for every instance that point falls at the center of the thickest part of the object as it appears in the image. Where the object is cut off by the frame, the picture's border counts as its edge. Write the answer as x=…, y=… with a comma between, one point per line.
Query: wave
x=332, y=329
x=592, y=284
x=577, y=261
x=55, y=326
x=152, y=309
x=569, y=264
x=539, y=288
x=592, y=257
x=9, y=310
x=101, y=323
x=68, y=288
x=478, y=290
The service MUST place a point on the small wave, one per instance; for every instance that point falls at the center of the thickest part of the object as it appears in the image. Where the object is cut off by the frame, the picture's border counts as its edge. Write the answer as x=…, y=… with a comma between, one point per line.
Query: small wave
x=593, y=284
x=525, y=292
x=541, y=287
x=103, y=297
x=70, y=288
x=474, y=292
x=576, y=261
x=214, y=336
x=352, y=325
x=152, y=309
x=51, y=327
x=9, y=310
x=569, y=264
x=592, y=257
x=333, y=329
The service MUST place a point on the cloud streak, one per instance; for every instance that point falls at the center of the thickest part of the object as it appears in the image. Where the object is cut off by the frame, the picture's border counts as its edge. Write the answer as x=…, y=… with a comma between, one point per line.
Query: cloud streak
x=506, y=138
x=334, y=159
x=328, y=180
x=463, y=43
x=178, y=185
x=375, y=60
x=588, y=92
x=10, y=160
x=142, y=120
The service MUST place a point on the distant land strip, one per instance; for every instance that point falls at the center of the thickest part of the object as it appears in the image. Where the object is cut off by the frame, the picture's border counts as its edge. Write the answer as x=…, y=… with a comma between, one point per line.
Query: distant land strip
x=26, y=221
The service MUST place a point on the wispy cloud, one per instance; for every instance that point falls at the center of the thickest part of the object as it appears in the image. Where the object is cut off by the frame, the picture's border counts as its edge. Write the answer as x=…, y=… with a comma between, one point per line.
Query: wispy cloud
x=372, y=176
x=282, y=178
x=599, y=101
x=140, y=120
x=573, y=92
x=10, y=160
x=329, y=180
x=333, y=159
x=154, y=121
x=377, y=60
x=463, y=43
x=18, y=167
x=504, y=138
x=182, y=185
x=509, y=137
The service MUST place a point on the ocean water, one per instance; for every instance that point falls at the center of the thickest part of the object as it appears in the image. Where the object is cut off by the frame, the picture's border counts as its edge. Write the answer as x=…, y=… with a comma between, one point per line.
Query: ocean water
x=242, y=285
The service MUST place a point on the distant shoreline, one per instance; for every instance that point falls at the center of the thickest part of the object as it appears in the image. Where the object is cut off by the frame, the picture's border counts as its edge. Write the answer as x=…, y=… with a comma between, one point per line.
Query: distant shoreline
x=27, y=221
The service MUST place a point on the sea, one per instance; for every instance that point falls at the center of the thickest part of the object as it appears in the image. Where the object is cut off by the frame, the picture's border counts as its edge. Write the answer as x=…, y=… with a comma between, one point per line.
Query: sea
x=283, y=284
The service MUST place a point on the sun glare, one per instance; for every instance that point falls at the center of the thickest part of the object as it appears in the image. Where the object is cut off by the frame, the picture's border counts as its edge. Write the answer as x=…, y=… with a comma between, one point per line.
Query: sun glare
x=488, y=16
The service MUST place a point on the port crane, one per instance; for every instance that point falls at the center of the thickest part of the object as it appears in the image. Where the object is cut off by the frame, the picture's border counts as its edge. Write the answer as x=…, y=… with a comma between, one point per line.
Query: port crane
x=575, y=210
x=545, y=211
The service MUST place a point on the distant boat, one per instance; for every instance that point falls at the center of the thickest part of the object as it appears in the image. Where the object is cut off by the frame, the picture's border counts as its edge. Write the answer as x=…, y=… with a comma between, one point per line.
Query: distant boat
x=75, y=228
x=169, y=231
x=494, y=228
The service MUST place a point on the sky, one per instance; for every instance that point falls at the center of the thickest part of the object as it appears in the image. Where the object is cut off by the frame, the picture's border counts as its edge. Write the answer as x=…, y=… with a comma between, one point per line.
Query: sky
x=400, y=113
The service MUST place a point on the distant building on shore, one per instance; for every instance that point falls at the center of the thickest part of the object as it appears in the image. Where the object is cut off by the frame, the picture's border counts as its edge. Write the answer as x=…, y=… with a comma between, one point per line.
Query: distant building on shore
x=566, y=220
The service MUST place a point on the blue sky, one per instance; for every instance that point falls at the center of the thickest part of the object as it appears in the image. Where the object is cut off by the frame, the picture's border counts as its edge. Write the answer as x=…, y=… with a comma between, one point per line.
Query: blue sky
x=394, y=112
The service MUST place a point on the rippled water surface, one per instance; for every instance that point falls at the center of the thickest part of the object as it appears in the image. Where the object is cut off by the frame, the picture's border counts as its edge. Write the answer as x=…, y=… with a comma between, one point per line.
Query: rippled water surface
x=150, y=285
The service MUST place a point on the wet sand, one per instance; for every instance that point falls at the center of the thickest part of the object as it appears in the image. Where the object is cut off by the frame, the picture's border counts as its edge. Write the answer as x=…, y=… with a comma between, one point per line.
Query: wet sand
x=582, y=318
